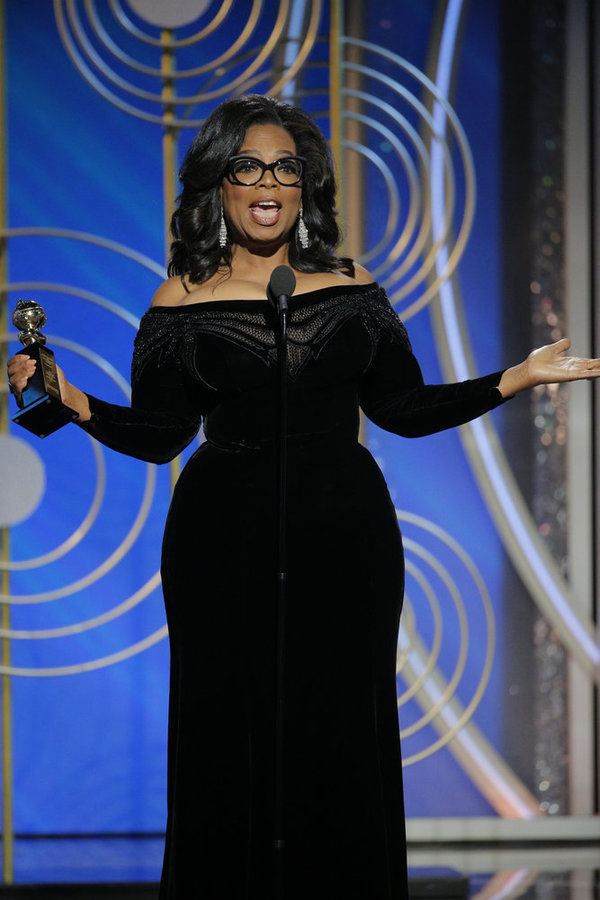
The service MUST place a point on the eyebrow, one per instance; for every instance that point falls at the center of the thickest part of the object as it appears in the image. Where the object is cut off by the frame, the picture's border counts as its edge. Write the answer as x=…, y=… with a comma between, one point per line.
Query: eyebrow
x=249, y=150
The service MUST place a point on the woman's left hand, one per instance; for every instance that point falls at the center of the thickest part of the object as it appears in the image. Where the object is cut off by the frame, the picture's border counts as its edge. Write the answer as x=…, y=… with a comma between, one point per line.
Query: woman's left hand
x=548, y=365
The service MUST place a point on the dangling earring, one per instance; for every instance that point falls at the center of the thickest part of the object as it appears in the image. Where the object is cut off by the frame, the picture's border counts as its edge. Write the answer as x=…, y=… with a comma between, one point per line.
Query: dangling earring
x=222, y=232
x=302, y=231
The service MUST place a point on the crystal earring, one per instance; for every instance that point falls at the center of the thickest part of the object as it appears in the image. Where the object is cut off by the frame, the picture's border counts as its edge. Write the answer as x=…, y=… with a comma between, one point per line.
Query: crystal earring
x=302, y=231
x=222, y=232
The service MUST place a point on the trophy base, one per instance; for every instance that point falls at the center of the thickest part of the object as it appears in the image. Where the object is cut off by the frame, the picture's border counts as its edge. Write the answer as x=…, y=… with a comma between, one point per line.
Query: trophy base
x=44, y=416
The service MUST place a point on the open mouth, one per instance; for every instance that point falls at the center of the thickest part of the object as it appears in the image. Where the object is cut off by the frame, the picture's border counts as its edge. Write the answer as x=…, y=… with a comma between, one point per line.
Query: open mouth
x=265, y=212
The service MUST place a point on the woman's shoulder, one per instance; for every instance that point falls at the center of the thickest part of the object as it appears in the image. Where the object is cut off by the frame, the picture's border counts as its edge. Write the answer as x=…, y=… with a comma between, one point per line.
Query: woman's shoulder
x=171, y=292
x=362, y=275
x=176, y=291
x=315, y=281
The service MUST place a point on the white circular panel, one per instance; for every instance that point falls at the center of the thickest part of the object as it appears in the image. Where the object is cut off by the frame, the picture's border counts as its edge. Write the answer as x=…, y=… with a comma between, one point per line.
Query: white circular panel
x=22, y=480
x=173, y=14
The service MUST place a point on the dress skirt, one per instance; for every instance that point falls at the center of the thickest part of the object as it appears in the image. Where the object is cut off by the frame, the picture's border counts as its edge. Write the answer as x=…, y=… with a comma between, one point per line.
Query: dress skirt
x=342, y=791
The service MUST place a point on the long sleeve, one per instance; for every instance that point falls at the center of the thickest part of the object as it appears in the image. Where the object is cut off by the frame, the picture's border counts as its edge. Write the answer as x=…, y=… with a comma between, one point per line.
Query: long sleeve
x=165, y=412
x=395, y=397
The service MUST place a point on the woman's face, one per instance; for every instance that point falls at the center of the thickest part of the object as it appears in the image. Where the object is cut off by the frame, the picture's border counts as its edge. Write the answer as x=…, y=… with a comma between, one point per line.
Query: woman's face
x=263, y=213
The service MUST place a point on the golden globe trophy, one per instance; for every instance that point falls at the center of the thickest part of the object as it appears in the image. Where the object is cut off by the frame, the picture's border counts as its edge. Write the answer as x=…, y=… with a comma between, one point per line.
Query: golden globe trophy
x=41, y=408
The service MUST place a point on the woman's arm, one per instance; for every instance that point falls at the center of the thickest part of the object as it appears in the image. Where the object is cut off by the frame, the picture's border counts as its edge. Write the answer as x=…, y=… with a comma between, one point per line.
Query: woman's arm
x=395, y=397
x=165, y=411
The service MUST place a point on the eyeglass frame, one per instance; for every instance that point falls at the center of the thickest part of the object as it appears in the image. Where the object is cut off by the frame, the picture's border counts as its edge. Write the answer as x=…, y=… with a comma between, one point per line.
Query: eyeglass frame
x=270, y=167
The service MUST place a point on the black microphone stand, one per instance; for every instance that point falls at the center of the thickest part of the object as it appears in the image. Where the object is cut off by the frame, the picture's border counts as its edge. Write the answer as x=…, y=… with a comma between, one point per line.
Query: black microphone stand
x=281, y=287
x=279, y=843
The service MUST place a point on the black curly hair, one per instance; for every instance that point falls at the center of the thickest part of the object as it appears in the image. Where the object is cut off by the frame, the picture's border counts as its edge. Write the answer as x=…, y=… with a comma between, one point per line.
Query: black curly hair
x=195, y=251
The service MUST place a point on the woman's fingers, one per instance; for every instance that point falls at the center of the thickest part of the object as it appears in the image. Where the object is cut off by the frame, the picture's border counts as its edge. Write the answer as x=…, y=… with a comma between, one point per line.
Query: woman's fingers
x=549, y=364
x=20, y=368
x=561, y=346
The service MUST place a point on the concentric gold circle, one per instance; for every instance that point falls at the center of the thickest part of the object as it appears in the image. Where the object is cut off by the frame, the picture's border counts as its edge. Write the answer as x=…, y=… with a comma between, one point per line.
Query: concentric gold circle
x=432, y=678
x=398, y=144
x=81, y=530
x=248, y=57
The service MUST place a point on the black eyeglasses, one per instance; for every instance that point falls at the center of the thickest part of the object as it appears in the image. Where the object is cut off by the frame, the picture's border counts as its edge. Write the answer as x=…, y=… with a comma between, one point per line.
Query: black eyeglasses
x=248, y=171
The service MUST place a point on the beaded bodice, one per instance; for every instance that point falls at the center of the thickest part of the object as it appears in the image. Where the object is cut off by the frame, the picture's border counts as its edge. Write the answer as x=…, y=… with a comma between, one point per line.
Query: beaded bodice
x=315, y=317
x=216, y=361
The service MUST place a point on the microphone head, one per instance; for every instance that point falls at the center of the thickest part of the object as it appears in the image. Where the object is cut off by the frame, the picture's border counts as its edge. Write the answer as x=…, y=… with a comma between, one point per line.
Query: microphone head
x=282, y=281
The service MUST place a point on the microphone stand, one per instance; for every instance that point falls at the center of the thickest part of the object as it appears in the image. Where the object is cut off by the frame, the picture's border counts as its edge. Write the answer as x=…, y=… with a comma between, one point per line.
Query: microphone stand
x=279, y=843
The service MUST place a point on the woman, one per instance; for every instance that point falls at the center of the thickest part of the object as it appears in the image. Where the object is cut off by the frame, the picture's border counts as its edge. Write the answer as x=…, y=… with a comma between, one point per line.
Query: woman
x=258, y=192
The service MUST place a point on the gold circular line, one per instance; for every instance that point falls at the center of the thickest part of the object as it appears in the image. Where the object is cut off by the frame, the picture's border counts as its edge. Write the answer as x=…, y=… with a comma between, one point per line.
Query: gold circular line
x=459, y=667
x=421, y=205
x=125, y=22
x=89, y=53
x=101, y=570
x=454, y=131
x=408, y=627
x=307, y=45
x=87, y=238
x=114, y=612
x=434, y=652
x=414, y=205
x=393, y=197
x=79, y=533
x=127, y=541
x=100, y=663
x=466, y=560
x=101, y=66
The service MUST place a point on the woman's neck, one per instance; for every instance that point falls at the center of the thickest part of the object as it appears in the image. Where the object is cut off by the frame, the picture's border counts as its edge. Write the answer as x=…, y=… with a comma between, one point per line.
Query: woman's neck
x=257, y=264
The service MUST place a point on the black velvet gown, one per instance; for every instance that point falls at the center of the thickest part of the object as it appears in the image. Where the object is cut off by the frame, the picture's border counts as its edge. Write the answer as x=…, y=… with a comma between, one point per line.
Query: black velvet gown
x=343, y=807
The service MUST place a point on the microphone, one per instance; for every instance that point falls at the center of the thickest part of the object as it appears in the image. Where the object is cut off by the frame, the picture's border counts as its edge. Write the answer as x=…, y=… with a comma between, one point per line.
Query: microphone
x=280, y=288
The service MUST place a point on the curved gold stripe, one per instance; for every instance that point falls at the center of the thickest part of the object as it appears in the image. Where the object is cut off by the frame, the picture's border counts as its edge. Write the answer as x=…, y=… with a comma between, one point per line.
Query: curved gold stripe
x=307, y=45
x=451, y=685
x=418, y=217
x=257, y=58
x=428, y=265
x=484, y=766
x=415, y=204
x=408, y=627
x=92, y=665
x=88, y=238
x=435, y=694
x=126, y=23
x=79, y=532
x=87, y=624
x=126, y=543
x=171, y=44
x=207, y=67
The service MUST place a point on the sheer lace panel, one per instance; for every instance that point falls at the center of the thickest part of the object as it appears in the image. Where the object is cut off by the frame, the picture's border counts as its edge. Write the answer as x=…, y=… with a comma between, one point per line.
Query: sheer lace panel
x=171, y=332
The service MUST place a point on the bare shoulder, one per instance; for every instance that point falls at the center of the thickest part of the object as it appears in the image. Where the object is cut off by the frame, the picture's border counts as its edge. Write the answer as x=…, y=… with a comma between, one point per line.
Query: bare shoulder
x=314, y=281
x=362, y=275
x=170, y=293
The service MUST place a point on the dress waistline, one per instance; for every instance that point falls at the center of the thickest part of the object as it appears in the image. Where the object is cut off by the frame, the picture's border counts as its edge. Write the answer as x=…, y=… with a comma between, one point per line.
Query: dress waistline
x=294, y=440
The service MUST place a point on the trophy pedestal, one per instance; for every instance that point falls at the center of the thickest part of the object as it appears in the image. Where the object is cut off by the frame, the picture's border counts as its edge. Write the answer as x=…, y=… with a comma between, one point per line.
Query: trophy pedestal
x=42, y=410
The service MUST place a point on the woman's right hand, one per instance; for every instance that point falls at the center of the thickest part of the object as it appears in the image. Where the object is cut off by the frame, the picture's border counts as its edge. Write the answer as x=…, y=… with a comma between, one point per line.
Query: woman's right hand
x=20, y=368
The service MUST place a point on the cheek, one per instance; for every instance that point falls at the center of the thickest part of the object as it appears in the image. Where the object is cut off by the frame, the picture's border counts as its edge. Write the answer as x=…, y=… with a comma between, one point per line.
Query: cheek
x=234, y=200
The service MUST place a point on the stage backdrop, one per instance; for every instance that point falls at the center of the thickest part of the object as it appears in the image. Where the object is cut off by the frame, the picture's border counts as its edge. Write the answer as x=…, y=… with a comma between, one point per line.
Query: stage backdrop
x=446, y=123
